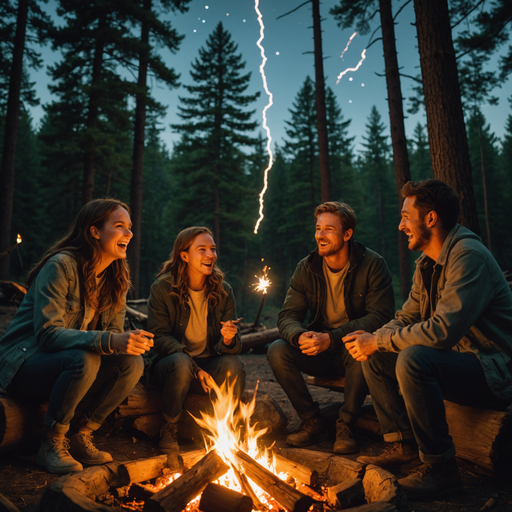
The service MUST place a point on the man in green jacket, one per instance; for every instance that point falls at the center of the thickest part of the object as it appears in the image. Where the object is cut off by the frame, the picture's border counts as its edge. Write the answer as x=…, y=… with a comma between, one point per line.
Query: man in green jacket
x=452, y=340
x=344, y=287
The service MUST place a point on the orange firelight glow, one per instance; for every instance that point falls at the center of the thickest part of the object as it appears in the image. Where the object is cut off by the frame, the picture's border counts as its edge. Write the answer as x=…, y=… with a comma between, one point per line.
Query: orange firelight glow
x=18, y=239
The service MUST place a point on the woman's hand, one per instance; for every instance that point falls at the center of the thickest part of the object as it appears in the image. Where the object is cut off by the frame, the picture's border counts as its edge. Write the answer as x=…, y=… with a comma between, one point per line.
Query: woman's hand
x=205, y=379
x=229, y=330
x=133, y=343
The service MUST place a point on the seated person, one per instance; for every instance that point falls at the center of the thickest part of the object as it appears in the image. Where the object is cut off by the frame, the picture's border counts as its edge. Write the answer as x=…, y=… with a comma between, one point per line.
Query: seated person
x=343, y=286
x=452, y=340
x=66, y=343
x=191, y=311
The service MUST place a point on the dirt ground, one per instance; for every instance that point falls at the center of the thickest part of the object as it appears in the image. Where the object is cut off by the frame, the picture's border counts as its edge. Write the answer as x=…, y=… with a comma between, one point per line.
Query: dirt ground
x=23, y=482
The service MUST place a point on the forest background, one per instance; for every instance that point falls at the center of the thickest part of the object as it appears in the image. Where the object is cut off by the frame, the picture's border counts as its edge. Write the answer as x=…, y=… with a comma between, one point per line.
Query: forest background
x=102, y=136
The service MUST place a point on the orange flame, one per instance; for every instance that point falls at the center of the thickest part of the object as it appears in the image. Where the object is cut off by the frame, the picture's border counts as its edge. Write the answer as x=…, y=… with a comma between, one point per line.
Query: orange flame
x=18, y=239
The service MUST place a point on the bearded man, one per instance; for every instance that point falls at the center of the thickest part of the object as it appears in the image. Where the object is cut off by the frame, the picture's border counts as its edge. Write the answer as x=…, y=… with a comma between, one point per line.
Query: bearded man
x=343, y=286
x=452, y=340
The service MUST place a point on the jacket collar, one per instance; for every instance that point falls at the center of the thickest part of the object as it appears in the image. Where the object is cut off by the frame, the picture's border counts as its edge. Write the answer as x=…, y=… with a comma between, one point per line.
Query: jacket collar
x=356, y=253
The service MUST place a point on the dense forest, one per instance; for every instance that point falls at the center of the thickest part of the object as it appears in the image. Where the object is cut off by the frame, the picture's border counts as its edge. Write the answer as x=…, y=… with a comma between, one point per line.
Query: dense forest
x=100, y=137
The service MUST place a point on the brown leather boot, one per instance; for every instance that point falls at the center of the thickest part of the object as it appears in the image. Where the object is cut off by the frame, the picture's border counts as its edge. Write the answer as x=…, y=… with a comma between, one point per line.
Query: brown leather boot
x=395, y=455
x=169, y=438
x=432, y=480
x=345, y=438
x=312, y=430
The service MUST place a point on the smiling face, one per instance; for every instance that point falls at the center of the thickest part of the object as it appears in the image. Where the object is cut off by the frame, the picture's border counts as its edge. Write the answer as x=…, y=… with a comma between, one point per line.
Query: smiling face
x=113, y=237
x=330, y=236
x=200, y=257
x=414, y=226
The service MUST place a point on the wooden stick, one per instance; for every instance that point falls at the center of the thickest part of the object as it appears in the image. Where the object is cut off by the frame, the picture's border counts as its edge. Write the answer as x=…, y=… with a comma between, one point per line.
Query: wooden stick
x=248, y=490
x=298, y=471
x=286, y=495
x=217, y=498
x=176, y=496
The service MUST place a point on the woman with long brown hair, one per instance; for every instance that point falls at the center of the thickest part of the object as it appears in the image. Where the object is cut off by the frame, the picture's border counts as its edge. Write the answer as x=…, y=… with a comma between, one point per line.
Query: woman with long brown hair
x=192, y=313
x=66, y=344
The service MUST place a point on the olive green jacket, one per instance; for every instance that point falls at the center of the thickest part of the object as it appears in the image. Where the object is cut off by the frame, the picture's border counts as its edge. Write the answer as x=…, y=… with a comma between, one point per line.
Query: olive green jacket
x=460, y=302
x=168, y=320
x=368, y=296
x=50, y=317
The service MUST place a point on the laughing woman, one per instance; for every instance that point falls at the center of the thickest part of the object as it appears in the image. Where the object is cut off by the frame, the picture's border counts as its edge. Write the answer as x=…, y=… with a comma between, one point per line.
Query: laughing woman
x=66, y=344
x=191, y=311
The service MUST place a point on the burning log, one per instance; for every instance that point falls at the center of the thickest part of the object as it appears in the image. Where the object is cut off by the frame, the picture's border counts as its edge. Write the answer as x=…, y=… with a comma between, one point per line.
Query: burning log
x=349, y=493
x=298, y=471
x=216, y=498
x=248, y=490
x=176, y=496
x=190, y=459
x=286, y=495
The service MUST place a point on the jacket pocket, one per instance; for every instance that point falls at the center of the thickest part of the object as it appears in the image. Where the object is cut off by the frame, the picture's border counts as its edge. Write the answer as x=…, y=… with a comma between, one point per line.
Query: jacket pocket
x=73, y=305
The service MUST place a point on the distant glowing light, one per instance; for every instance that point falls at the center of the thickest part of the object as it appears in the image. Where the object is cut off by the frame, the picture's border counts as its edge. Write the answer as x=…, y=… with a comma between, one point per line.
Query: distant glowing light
x=351, y=78
x=206, y=7
x=348, y=44
x=264, y=114
x=195, y=30
x=277, y=53
x=363, y=56
x=243, y=21
x=362, y=85
x=227, y=14
x=204, y=21
x=350, y=101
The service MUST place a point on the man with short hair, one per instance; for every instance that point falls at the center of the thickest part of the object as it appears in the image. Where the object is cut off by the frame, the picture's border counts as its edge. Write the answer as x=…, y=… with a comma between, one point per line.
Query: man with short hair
x=452, y=340
x=343, y=286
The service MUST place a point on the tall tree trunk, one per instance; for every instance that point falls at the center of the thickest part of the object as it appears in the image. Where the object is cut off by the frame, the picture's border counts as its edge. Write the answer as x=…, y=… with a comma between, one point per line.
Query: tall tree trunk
x=92, y=116
x=398, y=140
x=321, y=115
x=484, y=184
x=11, y=133
x=138, y=156
x=446, y=129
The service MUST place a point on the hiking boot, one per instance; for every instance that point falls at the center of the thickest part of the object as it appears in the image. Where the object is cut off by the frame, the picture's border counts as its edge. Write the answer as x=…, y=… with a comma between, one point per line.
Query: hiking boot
x=345, y=438
x=169, y=438
x=53, y=455
x=83, y=449
x=312, y=430
x=395, y=455
x=432, y=480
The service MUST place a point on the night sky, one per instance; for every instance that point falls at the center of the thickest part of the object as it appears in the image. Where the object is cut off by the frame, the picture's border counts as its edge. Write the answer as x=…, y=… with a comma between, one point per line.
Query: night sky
x=286, y=41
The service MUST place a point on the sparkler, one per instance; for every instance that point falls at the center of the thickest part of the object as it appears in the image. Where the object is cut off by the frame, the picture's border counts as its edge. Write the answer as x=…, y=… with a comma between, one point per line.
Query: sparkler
x=261, y=286
x=18, y=242
x=264, y=114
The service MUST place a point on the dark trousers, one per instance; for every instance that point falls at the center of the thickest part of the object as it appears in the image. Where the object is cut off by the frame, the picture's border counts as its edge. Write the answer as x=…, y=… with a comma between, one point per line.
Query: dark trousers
x=176, y=374
x=68, y=378
x=408, y=390
x=287, y=363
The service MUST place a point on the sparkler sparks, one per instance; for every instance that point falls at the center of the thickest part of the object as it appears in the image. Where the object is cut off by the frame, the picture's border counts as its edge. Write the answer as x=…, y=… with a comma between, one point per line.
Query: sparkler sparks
x=18, y=239
x=264, y=114
x=263, y=281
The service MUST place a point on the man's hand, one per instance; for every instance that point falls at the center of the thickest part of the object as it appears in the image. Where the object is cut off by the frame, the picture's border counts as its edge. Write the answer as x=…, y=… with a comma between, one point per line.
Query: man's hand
x=360, y=344
x=313, y=343
x=228, y=330
x=134, y=343
x=205, y=379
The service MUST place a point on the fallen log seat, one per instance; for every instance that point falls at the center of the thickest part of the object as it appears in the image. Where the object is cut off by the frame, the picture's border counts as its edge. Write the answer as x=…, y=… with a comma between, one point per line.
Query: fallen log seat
x=481, y=436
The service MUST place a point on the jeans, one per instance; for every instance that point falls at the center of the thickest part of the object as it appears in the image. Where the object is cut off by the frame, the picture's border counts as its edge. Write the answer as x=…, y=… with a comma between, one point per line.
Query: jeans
x=287, y=363
x=68, y=378
x=408, y=390
x=176, y=374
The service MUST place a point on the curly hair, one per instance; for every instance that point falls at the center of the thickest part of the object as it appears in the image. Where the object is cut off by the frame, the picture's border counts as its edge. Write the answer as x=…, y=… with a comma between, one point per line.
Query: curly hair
x=85, y=249
x=176, y=267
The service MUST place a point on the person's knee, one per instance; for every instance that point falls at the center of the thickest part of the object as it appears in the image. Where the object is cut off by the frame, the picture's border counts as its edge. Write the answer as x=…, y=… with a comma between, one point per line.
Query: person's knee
x=177, y=364
x=134, y=367
x=277, y=352
x=412, y=361
x=86, y=362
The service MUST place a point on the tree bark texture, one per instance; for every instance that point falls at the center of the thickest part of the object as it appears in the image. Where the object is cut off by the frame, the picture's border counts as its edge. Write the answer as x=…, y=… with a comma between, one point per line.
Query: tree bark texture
x=321, y=115
x=398, y=139
x=136, y=188
x=10, y=136
x=445, y=121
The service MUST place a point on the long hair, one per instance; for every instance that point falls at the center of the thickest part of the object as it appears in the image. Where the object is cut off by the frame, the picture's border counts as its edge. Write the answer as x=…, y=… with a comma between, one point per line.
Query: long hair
x=85, y=249
x=177, y=268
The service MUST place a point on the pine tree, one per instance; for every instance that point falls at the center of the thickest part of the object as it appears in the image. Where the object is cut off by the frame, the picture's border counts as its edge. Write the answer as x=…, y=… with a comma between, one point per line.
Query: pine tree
x=421, y=165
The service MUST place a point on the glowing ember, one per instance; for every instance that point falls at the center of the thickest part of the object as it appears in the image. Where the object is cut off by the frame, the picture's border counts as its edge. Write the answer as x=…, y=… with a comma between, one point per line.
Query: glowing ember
x=18, y=239
x=264, y=114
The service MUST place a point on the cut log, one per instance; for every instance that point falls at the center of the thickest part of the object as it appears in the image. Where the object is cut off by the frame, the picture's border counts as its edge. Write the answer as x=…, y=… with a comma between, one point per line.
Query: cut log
x=258, y=339
x=140, y=401
x=176, y=496
x=267, y=414
x=349, y=493
x=150, y=424
x=19, y=422
x=248, y=490
x=283, y=493
x=6, y=505
x=298, y=471
x=217, y=498
x=381, y=485
x=190, y=459
x=141, y=470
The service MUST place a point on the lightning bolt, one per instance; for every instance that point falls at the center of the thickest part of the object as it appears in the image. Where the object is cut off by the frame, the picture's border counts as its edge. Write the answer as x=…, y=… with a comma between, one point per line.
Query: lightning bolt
x=363, y=56
x=348, y=44
x=264, y=114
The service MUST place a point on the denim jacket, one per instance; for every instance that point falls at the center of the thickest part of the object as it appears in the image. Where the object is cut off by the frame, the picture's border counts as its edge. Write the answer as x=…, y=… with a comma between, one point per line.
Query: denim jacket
x=50, y=317
x=460, y=302
x=368, y=296
x=168, y=320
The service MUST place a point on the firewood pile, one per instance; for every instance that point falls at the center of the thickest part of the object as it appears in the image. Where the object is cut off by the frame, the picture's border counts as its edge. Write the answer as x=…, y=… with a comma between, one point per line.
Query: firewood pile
x=194, y=481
